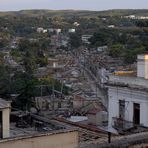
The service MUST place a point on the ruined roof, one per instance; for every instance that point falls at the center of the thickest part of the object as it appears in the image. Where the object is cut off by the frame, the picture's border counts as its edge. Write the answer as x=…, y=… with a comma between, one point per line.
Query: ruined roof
x=4, y=104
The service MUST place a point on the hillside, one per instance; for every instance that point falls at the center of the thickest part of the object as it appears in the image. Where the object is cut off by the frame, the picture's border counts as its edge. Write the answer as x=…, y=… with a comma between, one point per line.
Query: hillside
x=69, y=13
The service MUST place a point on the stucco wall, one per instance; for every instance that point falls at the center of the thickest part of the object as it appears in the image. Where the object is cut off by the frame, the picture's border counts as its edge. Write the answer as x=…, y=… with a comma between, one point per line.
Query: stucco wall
x=58, y=140
x=133, y=81
x=130, y=96
x=6, y=122
x=131, y=141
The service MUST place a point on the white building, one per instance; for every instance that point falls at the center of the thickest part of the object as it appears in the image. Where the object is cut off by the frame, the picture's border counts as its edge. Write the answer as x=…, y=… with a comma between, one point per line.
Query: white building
x=40, y=29
x=102, y=48
x=76, y=24
x=50, y=30
x=72, y=30
x=85, y=38
x=58, y=30
x=45, y=31
x=128, y=97
x=111, y=26
x=97, y=117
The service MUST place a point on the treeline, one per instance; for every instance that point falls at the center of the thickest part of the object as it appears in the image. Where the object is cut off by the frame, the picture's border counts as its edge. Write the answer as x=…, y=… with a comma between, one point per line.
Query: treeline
x=122, y=43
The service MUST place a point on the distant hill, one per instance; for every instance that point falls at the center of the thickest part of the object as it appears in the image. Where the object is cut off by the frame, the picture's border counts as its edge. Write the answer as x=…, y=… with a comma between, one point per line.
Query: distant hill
x=69, y=13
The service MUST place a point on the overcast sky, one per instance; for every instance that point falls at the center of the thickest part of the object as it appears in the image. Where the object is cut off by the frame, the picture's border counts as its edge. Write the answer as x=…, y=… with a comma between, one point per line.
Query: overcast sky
x=6, y=5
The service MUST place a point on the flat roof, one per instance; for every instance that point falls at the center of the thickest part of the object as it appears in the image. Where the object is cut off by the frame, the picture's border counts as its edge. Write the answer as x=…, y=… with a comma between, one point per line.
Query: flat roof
x=133, y=82
x=4, y=104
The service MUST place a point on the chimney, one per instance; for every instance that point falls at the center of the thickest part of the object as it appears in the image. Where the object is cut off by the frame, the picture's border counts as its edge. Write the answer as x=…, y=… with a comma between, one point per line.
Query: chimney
x=142, y=66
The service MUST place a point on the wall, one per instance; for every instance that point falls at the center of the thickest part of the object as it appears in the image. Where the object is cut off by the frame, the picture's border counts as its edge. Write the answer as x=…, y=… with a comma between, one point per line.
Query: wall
x=142, y=66
x=92, y=119
x=138, y=140
x=6, y=122
x=58, y=140
x=130, y=96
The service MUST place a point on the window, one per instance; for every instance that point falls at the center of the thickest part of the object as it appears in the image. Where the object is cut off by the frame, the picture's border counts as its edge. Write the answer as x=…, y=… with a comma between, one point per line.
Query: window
x=122, y=109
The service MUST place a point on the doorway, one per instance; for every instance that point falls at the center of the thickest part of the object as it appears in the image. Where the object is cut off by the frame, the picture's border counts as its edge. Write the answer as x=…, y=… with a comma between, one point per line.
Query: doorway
x=136, y=113
x=122, y=109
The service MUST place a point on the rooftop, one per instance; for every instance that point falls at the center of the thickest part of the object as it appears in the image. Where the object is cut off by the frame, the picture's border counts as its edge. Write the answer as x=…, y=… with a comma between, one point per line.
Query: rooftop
x=133, y=82
x=4, y=104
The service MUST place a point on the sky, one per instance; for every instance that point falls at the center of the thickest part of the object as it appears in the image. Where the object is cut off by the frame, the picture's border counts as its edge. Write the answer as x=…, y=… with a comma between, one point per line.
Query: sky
x=13, y=5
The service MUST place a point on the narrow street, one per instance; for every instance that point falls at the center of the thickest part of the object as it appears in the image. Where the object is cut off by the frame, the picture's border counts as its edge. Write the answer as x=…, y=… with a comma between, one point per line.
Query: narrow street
x=93, y=82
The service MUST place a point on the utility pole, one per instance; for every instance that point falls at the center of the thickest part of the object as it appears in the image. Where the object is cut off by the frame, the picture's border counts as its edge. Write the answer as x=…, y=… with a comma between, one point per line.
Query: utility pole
x=53, y=95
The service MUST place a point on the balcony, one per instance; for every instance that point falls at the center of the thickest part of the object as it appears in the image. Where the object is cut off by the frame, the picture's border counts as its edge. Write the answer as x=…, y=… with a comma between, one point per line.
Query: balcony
x=122, y=125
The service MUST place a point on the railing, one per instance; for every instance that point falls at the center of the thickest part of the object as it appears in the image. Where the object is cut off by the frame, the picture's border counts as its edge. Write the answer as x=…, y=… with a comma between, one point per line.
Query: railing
x=122, y=124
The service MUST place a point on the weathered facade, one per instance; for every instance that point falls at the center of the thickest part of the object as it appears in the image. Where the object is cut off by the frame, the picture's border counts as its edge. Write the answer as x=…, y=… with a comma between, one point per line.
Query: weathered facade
x=60, y=139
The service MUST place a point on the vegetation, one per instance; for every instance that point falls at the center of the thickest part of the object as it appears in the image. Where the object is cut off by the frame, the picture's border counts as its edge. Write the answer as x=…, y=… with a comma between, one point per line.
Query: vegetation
x=127, y=39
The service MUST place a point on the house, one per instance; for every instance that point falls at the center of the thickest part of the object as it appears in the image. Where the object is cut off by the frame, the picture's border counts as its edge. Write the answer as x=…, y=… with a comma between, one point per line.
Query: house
x=50, y=30
x=97, y=117
x=102, y=48
x=13, y=136
x=72, y=30
x=40, y=29
x=76, y=24
x=58, y=31
x=85, y=38
x=128, y=97
x=111, y=26
x=4, y=119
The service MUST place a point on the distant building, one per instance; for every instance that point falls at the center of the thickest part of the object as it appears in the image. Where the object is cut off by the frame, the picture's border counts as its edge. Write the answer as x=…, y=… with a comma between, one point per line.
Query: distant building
x=76, y=24
x=111, y=26
x=136, y=17
x=40, y=30
x=97, y=117
x=102, y=48
x=72, y=30
x=45, y=31
x=50, y=30
x=58, y=30
x=59, y=40
x=85, y=39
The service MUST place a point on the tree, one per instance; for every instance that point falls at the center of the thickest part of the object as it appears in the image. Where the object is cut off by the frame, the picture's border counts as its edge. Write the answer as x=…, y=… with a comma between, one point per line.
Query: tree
x=75, y=40
x=24, y=85
x=29, y=62
x=116, y=50
x=24, y=45
x=5, y=83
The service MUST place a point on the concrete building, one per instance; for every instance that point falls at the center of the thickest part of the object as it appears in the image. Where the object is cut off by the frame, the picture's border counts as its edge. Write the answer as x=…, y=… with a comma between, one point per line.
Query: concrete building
x=128, y=97
x=40, y=29
x=58, y=31
x=72, y=30
x=4, y=119
x=85, y=39
x=42, y=135
x=135, y=17
x=97, y=117
x=142, y=66
x=60, y=139
x=76, y=24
